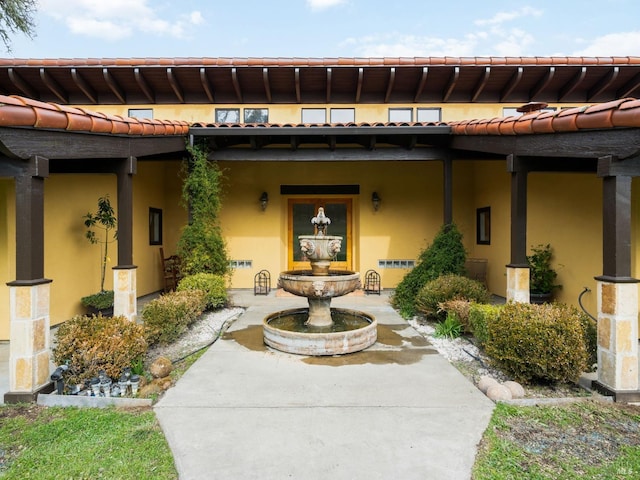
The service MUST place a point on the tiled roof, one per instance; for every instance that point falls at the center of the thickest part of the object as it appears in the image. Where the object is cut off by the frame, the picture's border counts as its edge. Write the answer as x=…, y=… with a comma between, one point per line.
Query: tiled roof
x=18, y=111
x=619, y=113
x=317, y=62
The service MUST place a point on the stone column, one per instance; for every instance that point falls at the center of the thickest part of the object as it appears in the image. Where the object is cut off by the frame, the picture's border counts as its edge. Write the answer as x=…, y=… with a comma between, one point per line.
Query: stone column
x=29, y=340
x=517, y=284
x=617, y=336
x=125, y=302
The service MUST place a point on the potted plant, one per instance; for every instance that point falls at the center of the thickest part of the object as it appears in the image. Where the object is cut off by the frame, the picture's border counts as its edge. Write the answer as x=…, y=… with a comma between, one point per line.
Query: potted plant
x=105, y=222
x=542, y=276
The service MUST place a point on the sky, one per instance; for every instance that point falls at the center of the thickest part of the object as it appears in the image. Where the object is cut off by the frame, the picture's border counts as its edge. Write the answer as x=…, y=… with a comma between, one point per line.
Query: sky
x=330, y=28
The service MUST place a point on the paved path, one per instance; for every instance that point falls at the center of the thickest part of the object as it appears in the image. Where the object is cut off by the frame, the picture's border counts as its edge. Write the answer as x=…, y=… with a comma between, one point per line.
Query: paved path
x=396, y=411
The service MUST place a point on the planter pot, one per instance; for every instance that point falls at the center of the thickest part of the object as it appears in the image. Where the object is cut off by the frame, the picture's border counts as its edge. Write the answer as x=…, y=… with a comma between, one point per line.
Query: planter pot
x=540, y=298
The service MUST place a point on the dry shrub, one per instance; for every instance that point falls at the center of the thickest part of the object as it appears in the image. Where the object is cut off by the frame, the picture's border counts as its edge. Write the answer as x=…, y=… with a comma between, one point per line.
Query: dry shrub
x=93, y=343
x=459, y=308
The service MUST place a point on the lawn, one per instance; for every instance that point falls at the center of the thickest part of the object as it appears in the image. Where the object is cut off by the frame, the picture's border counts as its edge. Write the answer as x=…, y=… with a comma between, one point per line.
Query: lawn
x=63, y=443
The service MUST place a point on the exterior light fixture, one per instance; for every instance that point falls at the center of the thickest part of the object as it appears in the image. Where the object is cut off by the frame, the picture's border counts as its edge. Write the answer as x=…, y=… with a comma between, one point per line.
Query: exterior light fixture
x=375, y=201
x=264, y=199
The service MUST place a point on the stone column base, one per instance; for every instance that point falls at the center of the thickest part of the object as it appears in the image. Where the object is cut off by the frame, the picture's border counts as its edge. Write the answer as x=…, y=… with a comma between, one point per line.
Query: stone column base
x=618, y=336
x=517, y=284
x=29, y=337
x=125, y=302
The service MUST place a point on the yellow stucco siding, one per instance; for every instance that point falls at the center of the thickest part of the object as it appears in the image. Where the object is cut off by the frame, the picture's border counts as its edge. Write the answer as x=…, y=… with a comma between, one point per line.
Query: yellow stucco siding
x=7, y=250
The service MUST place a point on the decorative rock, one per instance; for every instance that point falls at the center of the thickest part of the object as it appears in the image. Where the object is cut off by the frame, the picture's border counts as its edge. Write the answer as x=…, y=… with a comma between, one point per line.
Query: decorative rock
x=150, y=390
x=499, y=392
x=161, y=367
x=517, y=391
x=486, y=382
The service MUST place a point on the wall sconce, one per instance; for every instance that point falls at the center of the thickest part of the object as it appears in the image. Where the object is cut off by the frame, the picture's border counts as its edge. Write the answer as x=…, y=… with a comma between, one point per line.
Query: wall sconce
x=264, y=199
x=375, y=201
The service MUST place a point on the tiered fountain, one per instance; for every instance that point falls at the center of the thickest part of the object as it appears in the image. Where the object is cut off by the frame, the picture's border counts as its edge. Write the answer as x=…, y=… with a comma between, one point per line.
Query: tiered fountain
x=319, y=329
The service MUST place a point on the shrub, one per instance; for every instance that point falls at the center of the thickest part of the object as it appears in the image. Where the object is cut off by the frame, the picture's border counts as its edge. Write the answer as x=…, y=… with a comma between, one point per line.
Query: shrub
x=213, y=286
x=445, y=255
x=590, y=329
x=480, y=315
x=448, y=287
x=168, y=316
x=450, y=328
x=93, y=343
x=538, y=342
x=459, y=308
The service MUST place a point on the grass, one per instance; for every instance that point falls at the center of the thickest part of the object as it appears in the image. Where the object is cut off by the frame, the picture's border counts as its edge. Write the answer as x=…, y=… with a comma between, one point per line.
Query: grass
x=573, y=441
x=64, y=443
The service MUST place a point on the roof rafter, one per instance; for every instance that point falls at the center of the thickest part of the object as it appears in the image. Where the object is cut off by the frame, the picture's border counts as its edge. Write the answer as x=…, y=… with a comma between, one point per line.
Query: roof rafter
x=513, y=83
x=543, y=83
x=236, y=84
x=113, y=85
x=329, y=74
x=265, y=81
x=20, y=82
x=603, y=83
x=571, y=85
x=359, y=87
x=629, y=87
x=206, y=84
x=481, y=84
x=296, y=74
x=392, y=79
x=453, y=80
x=175, y=85
x=82, y=84
x=423, y=82
x=54, y=86
x=144, y=86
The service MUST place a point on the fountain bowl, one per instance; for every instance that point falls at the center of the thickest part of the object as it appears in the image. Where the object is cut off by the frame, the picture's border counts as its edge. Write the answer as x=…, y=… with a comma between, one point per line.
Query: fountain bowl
x=305, y=284
x=320, y=341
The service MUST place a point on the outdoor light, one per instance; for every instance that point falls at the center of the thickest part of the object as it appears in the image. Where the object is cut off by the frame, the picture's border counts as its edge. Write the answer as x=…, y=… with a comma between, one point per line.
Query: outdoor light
x=375, y=200
x=264, y=199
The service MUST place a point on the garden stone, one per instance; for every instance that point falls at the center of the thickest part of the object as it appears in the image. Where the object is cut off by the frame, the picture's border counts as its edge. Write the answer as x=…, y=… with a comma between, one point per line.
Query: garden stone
x=161, y=367
x=486, y=382
x=150, y=390
x=517, y=391
x=498, y=393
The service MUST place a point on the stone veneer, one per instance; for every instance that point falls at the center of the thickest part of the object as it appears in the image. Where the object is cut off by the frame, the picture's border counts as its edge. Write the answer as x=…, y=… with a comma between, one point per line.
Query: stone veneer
x=125, y=302
x=518, y=284
x=618, y=336
x=29, y=337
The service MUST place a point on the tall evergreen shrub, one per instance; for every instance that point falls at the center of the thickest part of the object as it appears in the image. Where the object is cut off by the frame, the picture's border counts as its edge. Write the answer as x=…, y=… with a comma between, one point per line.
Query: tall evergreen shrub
x=445, y=255
x=201, y=247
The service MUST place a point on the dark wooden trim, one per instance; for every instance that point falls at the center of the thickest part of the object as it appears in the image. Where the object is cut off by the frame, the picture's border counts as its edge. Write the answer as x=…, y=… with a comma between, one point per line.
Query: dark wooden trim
x=125, y=172
x=542, y=83
x=513, y=83
x=518, y=170
x=114, y=86
x=604, y=83
x=423, y=82
x=320, y=131
x=328, y=155
x=29, y=283
x=481, y=84
x=572, y=84
x=82, y=84
x=616, y=226
x=236, y=84
x=610, y=166
x=392, y=79
x=21, y=84
x=319, y=189
x=54, y=86
x=265, y=81
x=206, y=85
x=329, y=75
x=144, y=85
x=359, y=87
x=296, y=76
x=605, y=278
x=628, y=88
x=453, y=81
x=175, y=85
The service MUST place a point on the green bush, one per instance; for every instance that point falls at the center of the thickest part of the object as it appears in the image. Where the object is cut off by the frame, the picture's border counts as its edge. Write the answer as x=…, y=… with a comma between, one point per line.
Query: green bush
x=168, y=316
x=538, y=342
x=590, y=329
x=212, y=285
x=460, y=308
x=480, y=315
x=451, y=328
x=93, y=343
x=445, y=288
x=445, y=255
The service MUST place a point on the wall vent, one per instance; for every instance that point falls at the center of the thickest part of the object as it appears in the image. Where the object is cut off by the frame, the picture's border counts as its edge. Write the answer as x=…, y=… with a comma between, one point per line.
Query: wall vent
x=238, y=264
x=396, y=263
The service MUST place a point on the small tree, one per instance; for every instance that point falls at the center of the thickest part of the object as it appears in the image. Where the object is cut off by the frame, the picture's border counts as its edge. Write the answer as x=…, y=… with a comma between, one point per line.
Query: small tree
x=16, y=16
x=105, y=220
x=201, y=247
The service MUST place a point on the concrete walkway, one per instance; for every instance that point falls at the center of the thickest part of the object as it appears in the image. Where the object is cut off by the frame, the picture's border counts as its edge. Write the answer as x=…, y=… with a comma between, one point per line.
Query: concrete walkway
x=396, y=411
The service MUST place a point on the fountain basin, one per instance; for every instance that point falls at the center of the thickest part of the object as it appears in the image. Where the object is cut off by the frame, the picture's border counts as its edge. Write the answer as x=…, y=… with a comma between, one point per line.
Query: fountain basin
x=304, y=284
x=351, y=331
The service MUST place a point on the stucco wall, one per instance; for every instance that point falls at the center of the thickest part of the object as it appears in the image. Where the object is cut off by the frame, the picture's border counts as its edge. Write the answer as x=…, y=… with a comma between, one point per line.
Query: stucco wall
x=7, y=250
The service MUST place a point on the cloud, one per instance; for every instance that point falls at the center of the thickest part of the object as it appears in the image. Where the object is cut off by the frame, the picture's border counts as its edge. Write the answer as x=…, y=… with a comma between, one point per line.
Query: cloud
x=317, y=5
x=502, y=17
x=618, y=44
x=114, y=20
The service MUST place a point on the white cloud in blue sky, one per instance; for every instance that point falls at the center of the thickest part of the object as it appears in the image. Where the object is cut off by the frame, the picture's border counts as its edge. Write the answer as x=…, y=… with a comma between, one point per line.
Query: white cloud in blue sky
x=331, y=28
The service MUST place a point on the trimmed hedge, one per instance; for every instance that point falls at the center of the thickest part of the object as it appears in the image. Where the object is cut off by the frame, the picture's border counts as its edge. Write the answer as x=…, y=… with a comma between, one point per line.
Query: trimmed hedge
x=480, y=315
x=446, y=288
x=213, y=286
x=168, y=316
x=538, y=342
x=93, y=343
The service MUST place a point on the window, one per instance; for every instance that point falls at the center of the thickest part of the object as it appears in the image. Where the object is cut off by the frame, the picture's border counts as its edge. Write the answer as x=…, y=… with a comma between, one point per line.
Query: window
x=483, y=226
x=256, y=115
x=343, y=115
x=401, y=114
x=141, y=112
x=227, y=115
x=155, y=226
x=429, y=114
x=314, y=115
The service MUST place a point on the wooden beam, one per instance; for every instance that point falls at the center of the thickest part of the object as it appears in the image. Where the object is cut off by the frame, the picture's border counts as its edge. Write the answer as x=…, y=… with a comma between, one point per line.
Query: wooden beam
x=327, y=155
x=481, y=84
x=331, y=141
x=603, y=83
x=543, y=83
x=82, y=84
x=628, y=88
x=144, y=85
x=453, y=80
x=423, y=82
x=267, y=87
x=359, y=88
x=53, y=86
x=236, y=84
x=512, y=84
x=392, y=79
x=329, y=74
x=572, y=84
x=21, y=84
x=609, y=166
x=175, y=85
x=206, y=85
x=113, y=85
x=295, y=142
x=297, y=81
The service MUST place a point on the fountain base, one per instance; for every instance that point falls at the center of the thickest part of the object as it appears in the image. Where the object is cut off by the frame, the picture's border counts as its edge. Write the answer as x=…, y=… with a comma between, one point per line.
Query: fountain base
x=350, y=331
